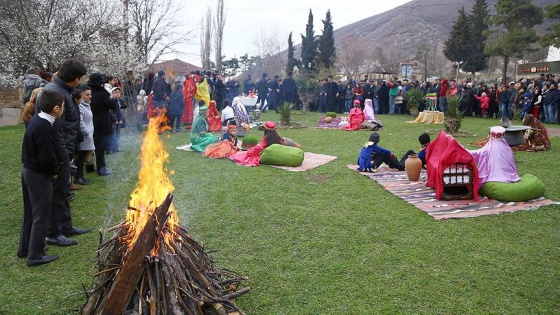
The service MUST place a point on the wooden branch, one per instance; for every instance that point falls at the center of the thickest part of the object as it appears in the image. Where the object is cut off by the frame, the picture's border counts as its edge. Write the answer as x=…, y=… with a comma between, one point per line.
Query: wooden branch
x=127, y=278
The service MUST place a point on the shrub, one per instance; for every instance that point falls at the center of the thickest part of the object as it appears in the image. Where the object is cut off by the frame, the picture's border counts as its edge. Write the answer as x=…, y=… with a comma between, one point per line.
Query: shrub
x=453, y=114
x=331, y=114
x=250, y=139
x=285, y=113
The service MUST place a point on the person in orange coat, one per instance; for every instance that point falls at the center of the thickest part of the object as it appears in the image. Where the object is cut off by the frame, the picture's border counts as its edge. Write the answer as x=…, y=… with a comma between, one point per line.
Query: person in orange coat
x=357, y=117
x=189, y=89
x=214, y=119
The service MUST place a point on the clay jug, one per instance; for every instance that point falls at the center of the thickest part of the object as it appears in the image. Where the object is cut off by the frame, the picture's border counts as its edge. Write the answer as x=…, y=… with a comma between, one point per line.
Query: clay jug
x=413, y=166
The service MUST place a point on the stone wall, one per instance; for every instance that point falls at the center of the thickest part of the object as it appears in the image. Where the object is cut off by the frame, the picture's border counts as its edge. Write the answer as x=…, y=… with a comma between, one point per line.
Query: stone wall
x=10, y=106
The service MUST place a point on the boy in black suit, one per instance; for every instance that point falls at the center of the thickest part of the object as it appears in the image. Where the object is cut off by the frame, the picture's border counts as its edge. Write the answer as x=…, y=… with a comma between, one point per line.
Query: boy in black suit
x=40, y=166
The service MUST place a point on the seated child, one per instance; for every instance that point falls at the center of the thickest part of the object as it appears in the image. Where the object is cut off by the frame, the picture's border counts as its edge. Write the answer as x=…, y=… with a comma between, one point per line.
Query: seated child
x=372, y=156
x=200, y=135
x=227, y=145
x=424, y=140
x=357, y=117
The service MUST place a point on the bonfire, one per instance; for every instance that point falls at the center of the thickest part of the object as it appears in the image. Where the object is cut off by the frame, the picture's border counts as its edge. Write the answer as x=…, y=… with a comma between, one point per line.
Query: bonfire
x=152, y=265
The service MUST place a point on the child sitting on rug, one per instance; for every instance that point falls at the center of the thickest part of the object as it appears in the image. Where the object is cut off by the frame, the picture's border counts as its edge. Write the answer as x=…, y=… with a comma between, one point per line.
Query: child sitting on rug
x=227, y=145
x=372, y=156
x=424, y=140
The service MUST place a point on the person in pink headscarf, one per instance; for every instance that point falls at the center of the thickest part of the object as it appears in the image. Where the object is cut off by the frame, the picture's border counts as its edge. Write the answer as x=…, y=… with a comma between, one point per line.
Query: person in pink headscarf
x=495, y=161
x=368, y=109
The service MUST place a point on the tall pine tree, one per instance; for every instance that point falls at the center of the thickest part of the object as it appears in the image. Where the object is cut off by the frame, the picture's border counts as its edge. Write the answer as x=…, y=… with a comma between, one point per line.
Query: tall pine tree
x=477, y=60
x=327, y=51
x=457, y=46
x=514, y=32
x=552, y=38
x=309, y=46
x=292, y=62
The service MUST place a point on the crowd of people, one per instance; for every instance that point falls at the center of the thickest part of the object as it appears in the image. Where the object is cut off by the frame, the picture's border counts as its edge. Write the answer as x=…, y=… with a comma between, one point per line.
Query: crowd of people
x=538, y=96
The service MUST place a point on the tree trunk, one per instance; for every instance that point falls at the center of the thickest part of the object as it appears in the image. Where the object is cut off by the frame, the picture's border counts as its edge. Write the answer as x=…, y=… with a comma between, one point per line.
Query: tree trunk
x=504, y=70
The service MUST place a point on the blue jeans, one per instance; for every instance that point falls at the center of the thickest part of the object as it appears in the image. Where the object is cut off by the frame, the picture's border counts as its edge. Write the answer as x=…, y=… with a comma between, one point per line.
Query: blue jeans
x=376, y=105
x=392, y=104
x=549, y=113
x=503, y=110
x=347, y=105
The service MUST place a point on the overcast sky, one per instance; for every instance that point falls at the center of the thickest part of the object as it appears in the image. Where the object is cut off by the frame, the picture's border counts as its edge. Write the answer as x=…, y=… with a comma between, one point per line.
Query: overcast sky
x=247, y=20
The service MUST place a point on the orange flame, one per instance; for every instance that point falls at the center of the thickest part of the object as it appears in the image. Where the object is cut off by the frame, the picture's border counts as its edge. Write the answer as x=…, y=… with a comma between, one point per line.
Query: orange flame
x=152, y=189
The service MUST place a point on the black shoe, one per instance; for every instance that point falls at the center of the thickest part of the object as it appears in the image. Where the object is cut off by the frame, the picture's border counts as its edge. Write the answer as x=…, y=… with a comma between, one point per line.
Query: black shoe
x=90, y=168
x=81, y=181
x=41, y=261
x=104, y=172
x=61, y=241
x=23, y=255
x=75, y=231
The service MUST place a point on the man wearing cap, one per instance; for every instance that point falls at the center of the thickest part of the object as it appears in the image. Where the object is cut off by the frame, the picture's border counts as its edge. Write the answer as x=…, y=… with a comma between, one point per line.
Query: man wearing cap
x=159, y=90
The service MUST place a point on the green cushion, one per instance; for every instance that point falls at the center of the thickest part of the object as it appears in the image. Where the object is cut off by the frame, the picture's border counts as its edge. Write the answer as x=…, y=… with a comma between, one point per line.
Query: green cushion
x=282, y=155
x=529, y=187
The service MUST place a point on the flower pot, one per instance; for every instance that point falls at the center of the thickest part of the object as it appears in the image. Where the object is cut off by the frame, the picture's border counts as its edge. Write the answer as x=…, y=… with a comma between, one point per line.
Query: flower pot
x=413, y=167
x=413, y=110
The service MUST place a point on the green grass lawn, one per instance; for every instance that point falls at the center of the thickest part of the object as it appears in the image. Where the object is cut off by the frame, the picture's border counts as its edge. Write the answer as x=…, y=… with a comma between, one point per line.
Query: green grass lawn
x=325, y=241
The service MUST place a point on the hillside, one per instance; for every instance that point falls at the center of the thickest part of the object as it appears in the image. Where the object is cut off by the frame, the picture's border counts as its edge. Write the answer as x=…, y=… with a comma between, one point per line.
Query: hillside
x=410, y=25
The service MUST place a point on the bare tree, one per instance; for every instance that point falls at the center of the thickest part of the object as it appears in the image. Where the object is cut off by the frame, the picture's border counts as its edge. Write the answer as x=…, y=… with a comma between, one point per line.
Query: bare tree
x=219, y=24
x=268, y=46
x=155, y=26
x=206, y=39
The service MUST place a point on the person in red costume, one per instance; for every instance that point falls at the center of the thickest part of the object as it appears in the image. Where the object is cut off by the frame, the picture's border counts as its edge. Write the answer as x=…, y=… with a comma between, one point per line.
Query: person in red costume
x=214, y=119
x=189, y=88
x=357, y=117
x=252, y=155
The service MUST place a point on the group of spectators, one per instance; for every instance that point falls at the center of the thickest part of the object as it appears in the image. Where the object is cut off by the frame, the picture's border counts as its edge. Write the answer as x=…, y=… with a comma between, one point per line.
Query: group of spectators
x=538, y=96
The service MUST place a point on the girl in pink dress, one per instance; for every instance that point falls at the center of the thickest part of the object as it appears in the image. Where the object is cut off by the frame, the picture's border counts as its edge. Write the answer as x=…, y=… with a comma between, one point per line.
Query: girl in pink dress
x=357, y=117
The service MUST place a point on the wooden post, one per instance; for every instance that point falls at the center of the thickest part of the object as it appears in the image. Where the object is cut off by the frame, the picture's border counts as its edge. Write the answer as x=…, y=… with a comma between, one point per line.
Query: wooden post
x=128, y=276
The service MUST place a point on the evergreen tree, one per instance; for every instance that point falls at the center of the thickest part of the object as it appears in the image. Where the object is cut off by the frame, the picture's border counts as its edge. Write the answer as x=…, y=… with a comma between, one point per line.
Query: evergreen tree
x=327, y=51
x=457, y=46
x=552, y=38
x=309, y=45
x=514, y=34
x=477, y=60
x=292, y=62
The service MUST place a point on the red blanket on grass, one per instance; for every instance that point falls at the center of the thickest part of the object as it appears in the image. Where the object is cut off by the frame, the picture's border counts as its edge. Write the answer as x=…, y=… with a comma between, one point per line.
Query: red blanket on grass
x=443, y=152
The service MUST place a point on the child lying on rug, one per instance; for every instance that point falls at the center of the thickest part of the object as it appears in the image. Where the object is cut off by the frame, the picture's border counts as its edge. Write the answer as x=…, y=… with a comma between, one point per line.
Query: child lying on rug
x=372, y=156
x=252, y=155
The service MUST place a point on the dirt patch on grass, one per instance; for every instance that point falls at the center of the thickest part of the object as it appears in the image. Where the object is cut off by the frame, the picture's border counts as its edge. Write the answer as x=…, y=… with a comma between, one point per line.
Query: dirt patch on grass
x=319, y=178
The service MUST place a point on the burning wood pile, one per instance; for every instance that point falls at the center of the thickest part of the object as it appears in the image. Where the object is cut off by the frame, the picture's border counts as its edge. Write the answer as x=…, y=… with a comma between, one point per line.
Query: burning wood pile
x=152, y=265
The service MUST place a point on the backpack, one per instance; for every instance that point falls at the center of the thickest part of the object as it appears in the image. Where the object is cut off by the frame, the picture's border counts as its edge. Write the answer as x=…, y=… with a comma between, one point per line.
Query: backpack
x=28, y=88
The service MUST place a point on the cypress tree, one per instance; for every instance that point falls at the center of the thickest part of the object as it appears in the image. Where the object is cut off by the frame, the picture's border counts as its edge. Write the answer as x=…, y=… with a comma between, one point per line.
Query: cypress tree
x=292, y=62
x=309, y=45
x=327, y=51
x=457, y=46
x=477, y=60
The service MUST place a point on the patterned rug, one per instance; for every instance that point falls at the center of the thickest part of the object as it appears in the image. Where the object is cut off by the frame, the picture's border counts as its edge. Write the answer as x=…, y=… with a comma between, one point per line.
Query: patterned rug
x=423, y=198
x=329, y=125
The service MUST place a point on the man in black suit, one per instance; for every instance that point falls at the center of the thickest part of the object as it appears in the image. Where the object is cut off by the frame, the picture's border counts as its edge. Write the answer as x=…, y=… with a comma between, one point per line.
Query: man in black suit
x=289, y=89
x=40, y=168
x=67, y=131
x=262, y=91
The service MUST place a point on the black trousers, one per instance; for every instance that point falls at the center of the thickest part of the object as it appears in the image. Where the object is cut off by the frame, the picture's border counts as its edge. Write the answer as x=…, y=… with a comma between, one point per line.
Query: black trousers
x=60, y=218
x=37, y=194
